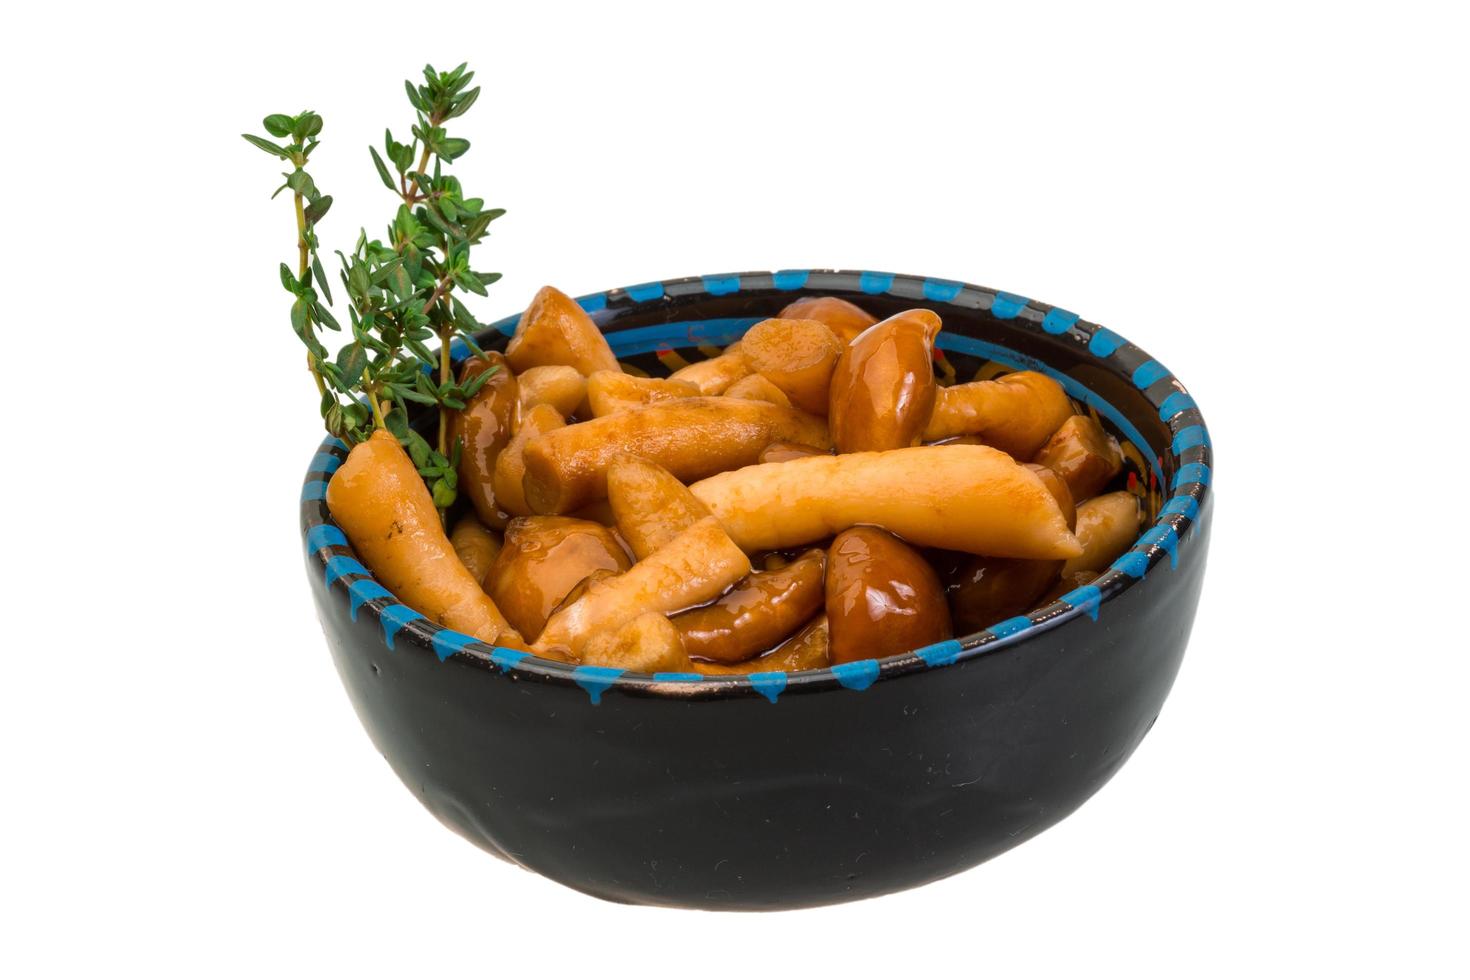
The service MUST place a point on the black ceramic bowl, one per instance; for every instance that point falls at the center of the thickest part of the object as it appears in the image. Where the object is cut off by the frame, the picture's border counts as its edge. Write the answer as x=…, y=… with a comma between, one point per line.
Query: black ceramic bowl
x=781, y=791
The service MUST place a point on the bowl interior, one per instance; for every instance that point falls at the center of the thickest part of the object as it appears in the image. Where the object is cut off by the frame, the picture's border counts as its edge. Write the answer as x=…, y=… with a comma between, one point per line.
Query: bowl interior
x=656, y=327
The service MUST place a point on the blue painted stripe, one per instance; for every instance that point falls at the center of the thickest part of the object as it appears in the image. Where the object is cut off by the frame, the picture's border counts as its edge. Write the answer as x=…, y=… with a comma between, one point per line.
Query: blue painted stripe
x=1191, y=473
x=1010, y=626
x=942, y=290
x=447, y=643
x=324, y=463
x=458, y=350
x=324, y=536
x=1149, y=372
x=593, y=302
x=1058, y=320
x=769, y=683
x=394, y=618
x=676, y=677
x=857, y=675
x=1087, y=598
x=1189, y=437
x=1179, y=401
x=1185, y=505
x=1104, y=342
x=1162, y=536
x=364, y=590
x=1133, y=564
x=721, y=285
x=1007, y=306
x=686, y=333
x=506, y=327
x=1073, y=387
x=788, y=279
x=595, y=680
x=505, y=658
x=939, y=654
x=314, y=490
x=645, y=292
x=336, y=443
x=874, y=283
x=341, y=565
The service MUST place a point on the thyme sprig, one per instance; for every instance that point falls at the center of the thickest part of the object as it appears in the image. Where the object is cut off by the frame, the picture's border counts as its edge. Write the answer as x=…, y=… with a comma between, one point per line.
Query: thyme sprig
x=400, y=291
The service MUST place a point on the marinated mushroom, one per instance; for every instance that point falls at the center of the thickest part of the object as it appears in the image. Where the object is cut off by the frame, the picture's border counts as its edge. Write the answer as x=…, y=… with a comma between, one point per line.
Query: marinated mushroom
x=613, y=391
x=1083, y=454
x=649, y=644
x=1016, y=413
x=882, y=597
x=476, y=545
x=882, y=389
x=649, y=506
x=483, y=429
x=797, y=356
x=967, y=498
x=758, y=613
x=691, y=438
x=555, y=330
x=510, y=466
x=543, y=559
x=557, y=385
x=807, y=650
x=1107, y=526
x=841, y=317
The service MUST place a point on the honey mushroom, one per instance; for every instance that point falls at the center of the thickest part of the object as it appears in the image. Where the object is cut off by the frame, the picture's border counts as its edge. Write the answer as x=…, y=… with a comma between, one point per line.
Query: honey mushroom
x=695, y=567
x=1016, y=413
x=845, y=320
x=476, y=545
x=759, y=612
x=483, y=428
x=382, y=505
x=649, y=644
x=796, y=356
x=544, y=559
x=778, y=452
x=807, y=650
x=557, y=385
x=555, y=330
x=882, y=597
x=757, y=387
x=650, y=507
x=713, y=375
x=1083, y=455
x=510, y=465
x=691, y=438
x=882, y=388
x=964, y=498
x=614, y=391
x=1107, y=526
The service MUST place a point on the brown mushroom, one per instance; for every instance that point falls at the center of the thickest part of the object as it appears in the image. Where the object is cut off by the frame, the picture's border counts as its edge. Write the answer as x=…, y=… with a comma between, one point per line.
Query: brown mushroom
x=557, y=385
x=1107, y=526
x=1016, y=413
x=476, y=545
x=807, y=650
x=649, y=505
x=882, y=598
x=757, y=613
x=483, y=428
x=555, y=330
x=613, y=391
x=543, y=559
x=510, y=465
x=883, y=386
x=1083, y=454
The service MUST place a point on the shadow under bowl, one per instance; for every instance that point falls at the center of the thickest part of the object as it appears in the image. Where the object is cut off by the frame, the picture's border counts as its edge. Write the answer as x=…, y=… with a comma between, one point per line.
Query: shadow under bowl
x=779, y=790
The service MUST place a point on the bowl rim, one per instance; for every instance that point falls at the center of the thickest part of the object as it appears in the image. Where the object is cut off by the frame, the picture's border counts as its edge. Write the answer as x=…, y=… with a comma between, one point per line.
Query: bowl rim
x=1189, y=458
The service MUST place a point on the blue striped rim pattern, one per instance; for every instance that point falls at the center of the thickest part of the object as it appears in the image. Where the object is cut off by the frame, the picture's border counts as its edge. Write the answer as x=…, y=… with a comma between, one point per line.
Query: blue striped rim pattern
x=1189, y=457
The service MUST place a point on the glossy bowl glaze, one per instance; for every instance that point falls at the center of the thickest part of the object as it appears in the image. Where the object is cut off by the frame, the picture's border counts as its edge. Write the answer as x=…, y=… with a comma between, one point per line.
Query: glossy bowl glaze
x=788, y=790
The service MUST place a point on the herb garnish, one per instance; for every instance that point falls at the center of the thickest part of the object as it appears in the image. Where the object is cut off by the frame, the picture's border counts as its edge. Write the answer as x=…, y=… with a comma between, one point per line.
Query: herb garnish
x=402, y=291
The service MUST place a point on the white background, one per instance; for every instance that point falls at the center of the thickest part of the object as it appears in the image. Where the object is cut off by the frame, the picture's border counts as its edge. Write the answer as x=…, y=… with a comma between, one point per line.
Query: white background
x=1271, y=198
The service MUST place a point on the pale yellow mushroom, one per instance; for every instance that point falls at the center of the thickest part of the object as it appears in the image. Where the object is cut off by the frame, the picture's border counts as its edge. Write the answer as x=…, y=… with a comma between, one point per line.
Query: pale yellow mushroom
x=475, y=544
x=714, y=375
x=964, y=498
x=649, y=505
x=1107, y=526
x=1016, y=413
x=558, y=385
x=613, y=391
x=691, y=438
x=692, y=569
x=797, y=356
x=510, y=466
x=649, y=644
x=758, y=387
